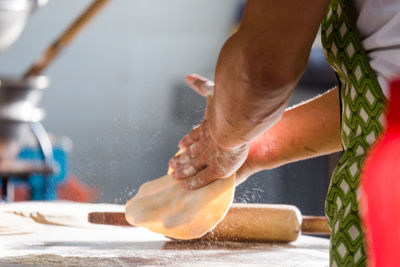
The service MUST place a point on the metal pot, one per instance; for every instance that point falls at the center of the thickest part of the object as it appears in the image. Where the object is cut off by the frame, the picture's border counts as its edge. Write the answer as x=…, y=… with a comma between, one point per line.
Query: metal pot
x=19, y=99
x=13, y=17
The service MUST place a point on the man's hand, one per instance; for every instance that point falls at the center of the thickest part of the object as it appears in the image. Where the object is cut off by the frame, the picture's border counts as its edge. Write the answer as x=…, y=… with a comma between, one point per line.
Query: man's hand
x=203, y=160
x=275, y=147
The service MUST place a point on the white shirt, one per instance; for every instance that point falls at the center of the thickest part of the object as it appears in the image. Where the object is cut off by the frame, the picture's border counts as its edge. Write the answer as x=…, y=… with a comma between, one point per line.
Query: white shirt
x=378, y=23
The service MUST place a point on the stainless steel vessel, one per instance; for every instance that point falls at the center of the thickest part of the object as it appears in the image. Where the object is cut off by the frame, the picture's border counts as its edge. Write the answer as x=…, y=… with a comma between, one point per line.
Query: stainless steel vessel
x=13, y=17
x=19, y=99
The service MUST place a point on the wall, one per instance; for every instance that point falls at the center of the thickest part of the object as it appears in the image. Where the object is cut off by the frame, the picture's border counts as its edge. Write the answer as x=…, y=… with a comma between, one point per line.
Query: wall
x=111, y=88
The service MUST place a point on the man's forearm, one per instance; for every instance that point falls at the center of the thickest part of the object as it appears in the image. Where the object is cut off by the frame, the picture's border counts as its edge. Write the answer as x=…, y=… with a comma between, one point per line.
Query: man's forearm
x=256, y=72
x=260, y=65
x=249, y=96
x=308, y=130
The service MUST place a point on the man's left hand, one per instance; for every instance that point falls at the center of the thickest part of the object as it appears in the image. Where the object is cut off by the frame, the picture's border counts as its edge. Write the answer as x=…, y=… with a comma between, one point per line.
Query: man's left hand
x=203, y=160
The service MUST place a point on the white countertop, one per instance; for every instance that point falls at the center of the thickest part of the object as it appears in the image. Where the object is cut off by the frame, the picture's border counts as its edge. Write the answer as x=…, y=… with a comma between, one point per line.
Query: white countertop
x=58, y=234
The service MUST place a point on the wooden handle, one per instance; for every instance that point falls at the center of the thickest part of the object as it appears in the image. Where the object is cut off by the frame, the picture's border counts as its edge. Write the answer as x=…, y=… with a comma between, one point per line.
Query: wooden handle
x=247, y=222
x=65, y=38
x=316, y=225
x=110, y=218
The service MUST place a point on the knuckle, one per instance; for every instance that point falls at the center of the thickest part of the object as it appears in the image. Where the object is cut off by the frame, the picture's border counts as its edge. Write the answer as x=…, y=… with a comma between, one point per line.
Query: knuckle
x=188, y=171
x=182, y=159
x=194, y=149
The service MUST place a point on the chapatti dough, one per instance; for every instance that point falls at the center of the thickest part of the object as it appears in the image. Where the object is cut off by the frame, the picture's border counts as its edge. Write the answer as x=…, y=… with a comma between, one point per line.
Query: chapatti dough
x=164, y=207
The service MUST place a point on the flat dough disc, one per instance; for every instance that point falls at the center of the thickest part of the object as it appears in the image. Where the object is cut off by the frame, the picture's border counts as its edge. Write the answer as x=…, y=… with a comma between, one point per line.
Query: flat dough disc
x=164, y=207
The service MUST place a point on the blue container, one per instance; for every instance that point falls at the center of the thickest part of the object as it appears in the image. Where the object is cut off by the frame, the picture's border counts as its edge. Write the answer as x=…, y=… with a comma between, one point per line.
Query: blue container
x=45, y=188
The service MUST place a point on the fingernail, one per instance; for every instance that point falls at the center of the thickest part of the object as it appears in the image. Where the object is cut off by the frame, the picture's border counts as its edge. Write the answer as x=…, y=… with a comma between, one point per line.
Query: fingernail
x=190, y=78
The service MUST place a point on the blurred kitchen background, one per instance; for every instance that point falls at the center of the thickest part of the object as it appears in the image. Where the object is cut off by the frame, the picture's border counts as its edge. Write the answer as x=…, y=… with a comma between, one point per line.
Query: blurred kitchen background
x=118, y=93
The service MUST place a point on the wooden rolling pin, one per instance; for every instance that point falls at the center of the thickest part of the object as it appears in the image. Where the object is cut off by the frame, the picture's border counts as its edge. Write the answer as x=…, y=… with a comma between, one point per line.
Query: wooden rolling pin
x=65, y=38
x=248, y=222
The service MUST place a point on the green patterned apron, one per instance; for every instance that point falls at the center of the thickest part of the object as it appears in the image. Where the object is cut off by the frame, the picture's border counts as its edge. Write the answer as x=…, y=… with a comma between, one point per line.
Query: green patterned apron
x=362, y=103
